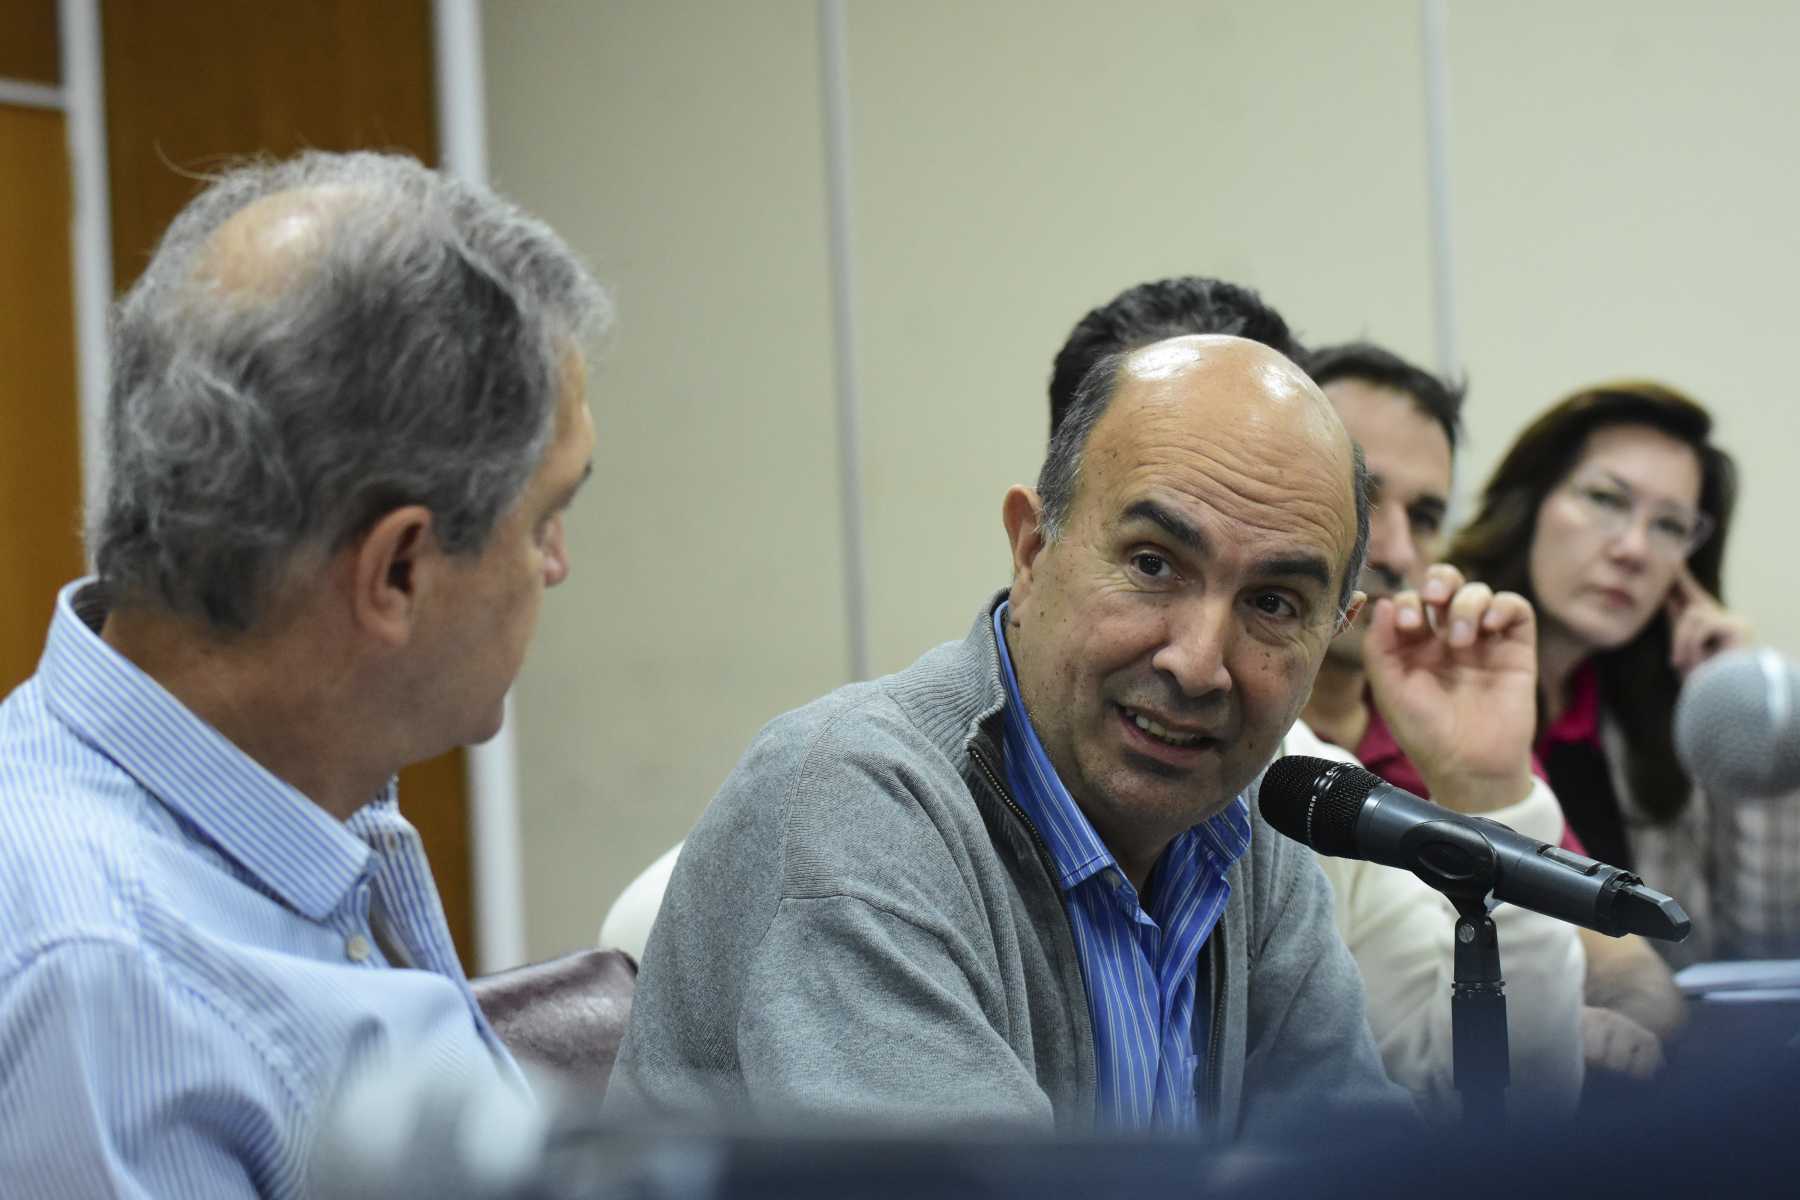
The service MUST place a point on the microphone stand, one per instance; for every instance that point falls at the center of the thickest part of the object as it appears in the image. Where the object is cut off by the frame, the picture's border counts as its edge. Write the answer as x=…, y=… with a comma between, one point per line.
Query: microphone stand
x=1460, y=863
x=1482, y=1065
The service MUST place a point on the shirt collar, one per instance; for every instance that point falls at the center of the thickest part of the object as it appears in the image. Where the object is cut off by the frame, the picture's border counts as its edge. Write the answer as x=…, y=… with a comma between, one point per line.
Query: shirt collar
x=292, y=846
x=1076, y=848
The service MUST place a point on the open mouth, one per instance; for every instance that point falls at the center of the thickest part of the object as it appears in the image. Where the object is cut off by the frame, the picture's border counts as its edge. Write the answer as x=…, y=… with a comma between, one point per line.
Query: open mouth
x=1157, y=732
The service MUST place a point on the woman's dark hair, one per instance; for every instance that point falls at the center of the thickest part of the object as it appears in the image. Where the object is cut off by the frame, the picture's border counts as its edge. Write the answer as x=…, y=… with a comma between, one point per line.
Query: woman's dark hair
x=1638, y=687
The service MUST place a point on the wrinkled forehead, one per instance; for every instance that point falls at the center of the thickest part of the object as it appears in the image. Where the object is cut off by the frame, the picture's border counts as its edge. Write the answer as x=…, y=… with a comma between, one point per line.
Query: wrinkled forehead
x=1250, y=439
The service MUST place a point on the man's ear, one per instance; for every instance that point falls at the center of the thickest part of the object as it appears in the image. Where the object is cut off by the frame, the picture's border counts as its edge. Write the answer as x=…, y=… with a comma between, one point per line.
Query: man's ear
x=1354, y=610
x=386, y=573
x=1023, y=514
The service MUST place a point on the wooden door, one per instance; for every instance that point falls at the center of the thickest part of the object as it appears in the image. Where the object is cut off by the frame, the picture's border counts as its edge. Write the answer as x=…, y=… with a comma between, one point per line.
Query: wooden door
x=40, y=463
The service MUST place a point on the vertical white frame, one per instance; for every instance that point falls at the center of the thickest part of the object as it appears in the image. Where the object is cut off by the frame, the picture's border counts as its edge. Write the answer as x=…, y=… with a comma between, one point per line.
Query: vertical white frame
x=493, y=767
x=84, y=93
x=834, y=90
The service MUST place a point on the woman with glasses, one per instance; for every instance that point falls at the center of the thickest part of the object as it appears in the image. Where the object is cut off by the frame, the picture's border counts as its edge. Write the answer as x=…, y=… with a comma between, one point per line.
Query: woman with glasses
x=1610, y=513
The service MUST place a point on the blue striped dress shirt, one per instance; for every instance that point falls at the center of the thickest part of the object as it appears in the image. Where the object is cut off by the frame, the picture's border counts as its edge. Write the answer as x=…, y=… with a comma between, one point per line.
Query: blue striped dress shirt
x=187, y=964
x=1140, y=967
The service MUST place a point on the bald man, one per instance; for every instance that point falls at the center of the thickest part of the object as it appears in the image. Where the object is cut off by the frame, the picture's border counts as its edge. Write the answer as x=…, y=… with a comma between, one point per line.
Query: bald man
x=346, y=418
x=1024, y=879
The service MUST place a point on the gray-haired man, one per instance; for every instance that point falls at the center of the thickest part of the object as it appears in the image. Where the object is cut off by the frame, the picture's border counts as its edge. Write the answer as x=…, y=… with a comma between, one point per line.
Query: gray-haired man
x=347, y=415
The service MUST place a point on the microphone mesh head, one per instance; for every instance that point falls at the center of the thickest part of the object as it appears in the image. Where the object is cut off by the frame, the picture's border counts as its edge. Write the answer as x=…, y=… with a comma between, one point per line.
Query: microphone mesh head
x=1316, y=801
x=1737, y=724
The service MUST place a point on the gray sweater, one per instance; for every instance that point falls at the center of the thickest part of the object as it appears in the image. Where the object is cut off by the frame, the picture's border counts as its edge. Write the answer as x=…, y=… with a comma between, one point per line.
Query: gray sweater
x=865, y=925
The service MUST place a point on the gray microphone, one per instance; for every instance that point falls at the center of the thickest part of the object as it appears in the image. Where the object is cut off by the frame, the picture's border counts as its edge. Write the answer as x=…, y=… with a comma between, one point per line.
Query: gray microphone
x=1737, y=724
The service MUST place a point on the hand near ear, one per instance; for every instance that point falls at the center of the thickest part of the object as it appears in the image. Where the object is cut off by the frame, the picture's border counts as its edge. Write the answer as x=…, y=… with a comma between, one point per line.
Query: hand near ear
x=1453, y=669
x=1699, y=626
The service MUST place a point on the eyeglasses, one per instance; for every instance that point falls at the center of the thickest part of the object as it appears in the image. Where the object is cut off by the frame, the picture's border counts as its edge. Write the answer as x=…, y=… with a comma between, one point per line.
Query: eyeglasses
x=1610, y=508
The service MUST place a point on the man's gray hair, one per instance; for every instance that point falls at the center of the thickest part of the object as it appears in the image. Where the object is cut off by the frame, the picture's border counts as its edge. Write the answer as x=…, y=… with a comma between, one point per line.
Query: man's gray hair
x=1060, y=476
x=416, y=358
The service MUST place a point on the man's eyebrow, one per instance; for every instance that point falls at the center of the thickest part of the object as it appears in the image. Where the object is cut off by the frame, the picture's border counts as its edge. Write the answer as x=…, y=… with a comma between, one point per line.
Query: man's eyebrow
x=1296, y=566
x=1171, y=523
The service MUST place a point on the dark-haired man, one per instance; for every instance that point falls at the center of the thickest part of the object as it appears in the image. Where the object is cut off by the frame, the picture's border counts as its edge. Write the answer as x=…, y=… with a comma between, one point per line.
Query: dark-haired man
x=1408, y=421
x=1164, y=308
x=1024, y=879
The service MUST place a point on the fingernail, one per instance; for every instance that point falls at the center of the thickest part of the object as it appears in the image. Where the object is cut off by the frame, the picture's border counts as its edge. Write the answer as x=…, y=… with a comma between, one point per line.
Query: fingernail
x=1436, y=589
x=1408, y=618
x=1461, y=633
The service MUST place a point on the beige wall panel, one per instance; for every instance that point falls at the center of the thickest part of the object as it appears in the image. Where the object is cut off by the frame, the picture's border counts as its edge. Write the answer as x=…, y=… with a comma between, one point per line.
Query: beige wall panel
x=678, y=146
x=1625, y=203
x=1017, y=163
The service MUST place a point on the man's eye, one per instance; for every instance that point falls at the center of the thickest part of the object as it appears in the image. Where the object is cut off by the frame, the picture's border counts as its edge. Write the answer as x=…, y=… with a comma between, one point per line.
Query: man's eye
x=1274, y=604
x=1151, y=566
x=1427, y=522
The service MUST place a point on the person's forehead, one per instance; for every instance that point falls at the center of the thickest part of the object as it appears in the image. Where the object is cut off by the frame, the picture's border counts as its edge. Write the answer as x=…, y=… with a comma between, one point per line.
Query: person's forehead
x=1397, y=435
x=1651, y=461
x=1254, y=480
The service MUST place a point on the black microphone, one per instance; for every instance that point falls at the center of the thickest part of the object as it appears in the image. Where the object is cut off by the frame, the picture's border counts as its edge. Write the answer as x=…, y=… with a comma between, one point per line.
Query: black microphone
x=1340, y=809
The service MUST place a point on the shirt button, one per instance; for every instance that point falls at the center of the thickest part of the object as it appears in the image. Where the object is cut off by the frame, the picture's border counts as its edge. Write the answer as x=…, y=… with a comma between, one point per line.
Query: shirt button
x=357, y=947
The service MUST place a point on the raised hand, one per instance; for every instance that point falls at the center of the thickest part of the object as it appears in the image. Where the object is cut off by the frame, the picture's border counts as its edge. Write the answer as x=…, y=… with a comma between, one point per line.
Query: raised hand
x=1699, y=626
x=1453, y=669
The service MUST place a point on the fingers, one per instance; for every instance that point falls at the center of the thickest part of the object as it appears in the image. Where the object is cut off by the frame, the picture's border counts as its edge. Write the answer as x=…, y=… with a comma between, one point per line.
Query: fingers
x=1612, y=1041
x=1460, y=611
x=1417, y=611
x=1684, y=589
x=1702, y=631
x=1684, y=640
x=1465, y=612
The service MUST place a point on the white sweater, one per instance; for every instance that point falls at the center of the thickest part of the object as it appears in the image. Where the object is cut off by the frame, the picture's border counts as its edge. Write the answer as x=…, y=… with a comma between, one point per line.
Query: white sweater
x=1401, y=933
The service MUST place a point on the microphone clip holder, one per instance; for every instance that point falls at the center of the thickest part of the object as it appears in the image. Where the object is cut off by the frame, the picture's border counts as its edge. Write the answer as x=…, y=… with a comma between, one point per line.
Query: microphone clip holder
x=1458, y=862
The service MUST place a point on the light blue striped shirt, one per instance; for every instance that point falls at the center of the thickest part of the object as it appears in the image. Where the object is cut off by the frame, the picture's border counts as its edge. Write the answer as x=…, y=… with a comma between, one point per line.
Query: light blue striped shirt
x=1140, y=967
x=187, y=966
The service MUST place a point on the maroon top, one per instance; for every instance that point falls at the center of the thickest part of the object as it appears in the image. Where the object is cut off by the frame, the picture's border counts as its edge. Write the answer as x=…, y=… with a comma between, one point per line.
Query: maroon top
x=1380, y=753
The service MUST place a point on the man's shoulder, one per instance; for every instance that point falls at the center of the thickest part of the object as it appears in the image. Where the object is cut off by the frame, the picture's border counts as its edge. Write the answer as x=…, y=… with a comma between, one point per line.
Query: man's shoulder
x=86, y=854
x=73, y=831
x=918, y=719
x=870, y=764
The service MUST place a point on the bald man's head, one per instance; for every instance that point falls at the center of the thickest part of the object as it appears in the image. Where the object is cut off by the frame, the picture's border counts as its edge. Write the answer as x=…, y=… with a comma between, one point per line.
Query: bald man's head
x=1244, y=400
x=271, y=242
x=1177, y=576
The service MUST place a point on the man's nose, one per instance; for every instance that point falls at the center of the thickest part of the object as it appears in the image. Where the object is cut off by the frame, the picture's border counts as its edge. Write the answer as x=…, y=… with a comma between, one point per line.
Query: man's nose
x=1197, y=644
x=1392, y=551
